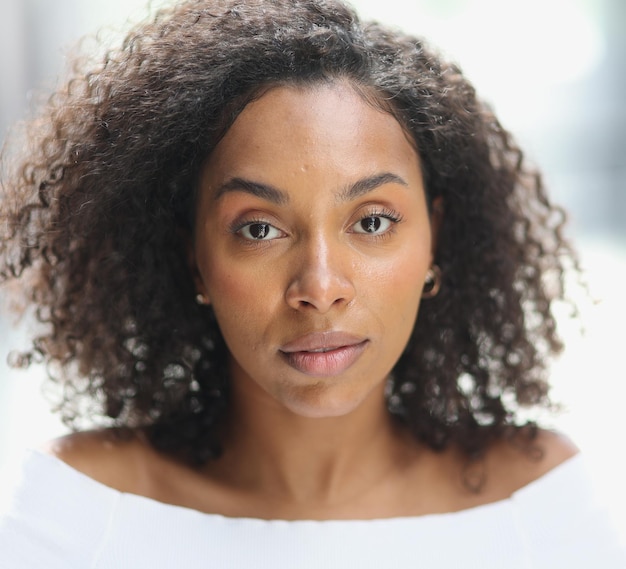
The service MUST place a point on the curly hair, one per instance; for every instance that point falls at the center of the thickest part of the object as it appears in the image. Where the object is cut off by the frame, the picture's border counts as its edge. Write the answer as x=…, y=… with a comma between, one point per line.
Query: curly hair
x=94, y=217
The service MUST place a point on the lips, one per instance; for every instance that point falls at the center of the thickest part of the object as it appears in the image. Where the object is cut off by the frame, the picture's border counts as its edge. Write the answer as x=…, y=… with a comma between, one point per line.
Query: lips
x=323, y=353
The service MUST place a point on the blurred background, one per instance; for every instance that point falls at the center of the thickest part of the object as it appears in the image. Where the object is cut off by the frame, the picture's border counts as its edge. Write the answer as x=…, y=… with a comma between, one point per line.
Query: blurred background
x=555, y=72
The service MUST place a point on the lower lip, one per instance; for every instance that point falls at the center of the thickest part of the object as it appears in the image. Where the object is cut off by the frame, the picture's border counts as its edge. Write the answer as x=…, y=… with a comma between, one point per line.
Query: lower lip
x=329, y=363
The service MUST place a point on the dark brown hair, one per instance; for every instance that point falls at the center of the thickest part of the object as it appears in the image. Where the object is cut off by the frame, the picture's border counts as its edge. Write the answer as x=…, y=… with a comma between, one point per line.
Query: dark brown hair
x=93, y=216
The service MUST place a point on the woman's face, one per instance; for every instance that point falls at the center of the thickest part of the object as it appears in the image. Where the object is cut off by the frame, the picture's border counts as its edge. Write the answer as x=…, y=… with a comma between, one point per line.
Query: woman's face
x=312, y=244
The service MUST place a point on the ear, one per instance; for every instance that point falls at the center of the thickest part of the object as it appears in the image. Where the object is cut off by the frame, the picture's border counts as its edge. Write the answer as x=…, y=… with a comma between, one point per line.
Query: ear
x=437, y=211
x=190, y=254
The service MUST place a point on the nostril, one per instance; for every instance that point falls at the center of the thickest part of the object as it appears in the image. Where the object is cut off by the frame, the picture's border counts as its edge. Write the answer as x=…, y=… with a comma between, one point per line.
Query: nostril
x=319, y=298
x=321, y=280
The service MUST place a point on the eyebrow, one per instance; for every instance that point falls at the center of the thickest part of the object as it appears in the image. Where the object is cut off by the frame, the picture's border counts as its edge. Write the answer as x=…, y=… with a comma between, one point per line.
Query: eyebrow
x=274, y=195
x=365, y=185
x=264, y=191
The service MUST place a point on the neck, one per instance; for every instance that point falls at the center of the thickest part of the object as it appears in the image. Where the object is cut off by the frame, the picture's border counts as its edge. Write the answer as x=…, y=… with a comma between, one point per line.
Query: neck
x=272, y=451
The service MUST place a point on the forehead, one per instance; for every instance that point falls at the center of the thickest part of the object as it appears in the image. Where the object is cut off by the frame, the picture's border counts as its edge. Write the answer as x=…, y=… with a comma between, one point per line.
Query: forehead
x=308, y=128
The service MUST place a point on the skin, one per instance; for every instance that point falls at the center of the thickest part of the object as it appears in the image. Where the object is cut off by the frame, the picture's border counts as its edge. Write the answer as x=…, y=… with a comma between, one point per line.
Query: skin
x=318, y=271
x=308, y=435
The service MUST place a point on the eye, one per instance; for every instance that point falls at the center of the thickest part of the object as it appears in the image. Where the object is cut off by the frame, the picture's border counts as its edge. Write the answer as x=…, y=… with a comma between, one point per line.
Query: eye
x=259, y=231
x=373, y=224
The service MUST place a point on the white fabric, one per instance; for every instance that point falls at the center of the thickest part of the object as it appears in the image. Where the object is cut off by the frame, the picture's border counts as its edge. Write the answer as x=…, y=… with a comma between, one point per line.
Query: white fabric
x=58, y=518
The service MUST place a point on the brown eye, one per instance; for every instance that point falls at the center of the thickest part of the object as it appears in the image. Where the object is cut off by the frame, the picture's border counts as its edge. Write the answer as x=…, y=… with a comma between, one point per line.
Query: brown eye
x=259, y=231
x=372, y=224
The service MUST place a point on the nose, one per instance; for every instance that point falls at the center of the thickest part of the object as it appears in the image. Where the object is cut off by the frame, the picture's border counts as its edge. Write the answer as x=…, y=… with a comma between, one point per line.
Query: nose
x=320, y=278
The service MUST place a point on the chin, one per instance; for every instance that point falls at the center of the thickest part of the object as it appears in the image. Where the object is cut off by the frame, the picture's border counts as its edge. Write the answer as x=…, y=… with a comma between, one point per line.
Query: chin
x=318, y=403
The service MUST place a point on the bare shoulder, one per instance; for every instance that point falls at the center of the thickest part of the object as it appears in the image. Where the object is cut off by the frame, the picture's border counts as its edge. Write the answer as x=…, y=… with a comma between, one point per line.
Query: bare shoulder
x=554, y=449
x=515, y=464
x=107, y=456
x=127, y=462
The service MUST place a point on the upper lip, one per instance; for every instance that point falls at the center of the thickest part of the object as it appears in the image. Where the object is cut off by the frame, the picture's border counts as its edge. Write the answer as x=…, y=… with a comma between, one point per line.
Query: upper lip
x=329, y=340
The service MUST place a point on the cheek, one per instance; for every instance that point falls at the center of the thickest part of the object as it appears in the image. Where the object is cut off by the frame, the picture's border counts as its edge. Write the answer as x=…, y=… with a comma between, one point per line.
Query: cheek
x=241, y=298
x=401, y=276
x=400, y=288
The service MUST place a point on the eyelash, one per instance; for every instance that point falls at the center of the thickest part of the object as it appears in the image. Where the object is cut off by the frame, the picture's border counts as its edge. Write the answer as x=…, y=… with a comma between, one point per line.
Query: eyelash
x=388, y=213
x=238, y=225
x=385, y=213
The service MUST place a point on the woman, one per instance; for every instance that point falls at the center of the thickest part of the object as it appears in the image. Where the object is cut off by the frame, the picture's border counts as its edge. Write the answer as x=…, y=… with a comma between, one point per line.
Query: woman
x=304, y=277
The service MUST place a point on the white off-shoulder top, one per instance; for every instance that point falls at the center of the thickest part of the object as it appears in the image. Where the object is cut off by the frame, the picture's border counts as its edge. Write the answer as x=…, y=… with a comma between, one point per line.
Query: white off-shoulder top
x=54, y=517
